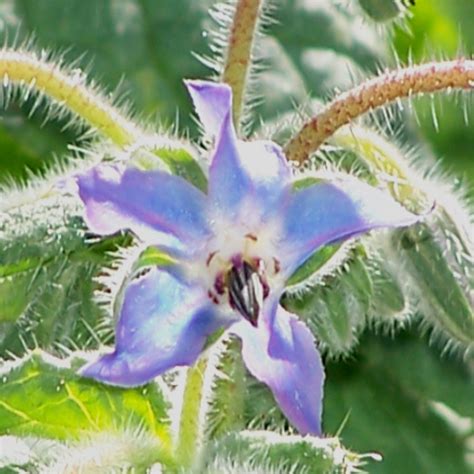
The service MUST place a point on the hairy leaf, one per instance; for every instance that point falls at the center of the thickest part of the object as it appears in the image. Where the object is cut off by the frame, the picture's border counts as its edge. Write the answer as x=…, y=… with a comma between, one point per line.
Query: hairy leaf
x=62, y=405
x=260, y=451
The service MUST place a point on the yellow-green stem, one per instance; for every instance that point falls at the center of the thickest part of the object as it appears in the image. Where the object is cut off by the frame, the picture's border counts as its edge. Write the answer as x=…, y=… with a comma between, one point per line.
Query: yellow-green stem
x=380, y=91
x=189, y=436
x=239, y=52
x=68, y=90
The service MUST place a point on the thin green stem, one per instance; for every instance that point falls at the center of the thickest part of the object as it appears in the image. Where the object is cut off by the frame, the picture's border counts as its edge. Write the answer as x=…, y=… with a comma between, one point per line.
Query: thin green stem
x=377, y=92
x=190, y=429
x=69, y=90
x=239, y=52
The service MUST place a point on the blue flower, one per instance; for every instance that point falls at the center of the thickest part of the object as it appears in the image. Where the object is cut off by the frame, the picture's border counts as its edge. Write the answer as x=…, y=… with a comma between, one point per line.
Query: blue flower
x=235, y=247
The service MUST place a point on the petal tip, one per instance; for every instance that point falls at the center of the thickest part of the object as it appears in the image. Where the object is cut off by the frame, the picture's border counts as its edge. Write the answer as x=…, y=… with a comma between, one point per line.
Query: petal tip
x=206, y=87
x=212, y=101
x=108, y=369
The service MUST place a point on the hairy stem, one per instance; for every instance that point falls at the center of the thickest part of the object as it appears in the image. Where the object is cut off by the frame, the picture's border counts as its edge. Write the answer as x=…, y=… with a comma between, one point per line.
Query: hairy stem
x=380, y=91
x=190, y=429
x=239, y=51
x=69, y=90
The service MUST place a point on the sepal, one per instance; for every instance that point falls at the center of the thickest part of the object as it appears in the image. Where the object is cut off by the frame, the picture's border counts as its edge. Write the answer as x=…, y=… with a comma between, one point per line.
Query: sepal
x=439, y=260
x=266, y=452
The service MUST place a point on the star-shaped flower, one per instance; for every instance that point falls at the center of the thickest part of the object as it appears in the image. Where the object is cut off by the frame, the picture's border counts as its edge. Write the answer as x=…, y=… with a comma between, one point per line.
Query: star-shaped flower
x=235, y=248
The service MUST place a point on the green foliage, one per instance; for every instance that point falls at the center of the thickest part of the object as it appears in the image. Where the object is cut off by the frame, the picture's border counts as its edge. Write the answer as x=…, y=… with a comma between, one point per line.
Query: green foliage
x=338, y=308
x=401, y=398
x=144, y=44
x=178, y=160
x=47, y=270
x=182, y=163
x=444, y=28
x=382, y=10
x=62, y=405
x=263, y=452
x=392, y=393
x=302, y=63
x=397, y=397
x=442, y=274
x=128, y=451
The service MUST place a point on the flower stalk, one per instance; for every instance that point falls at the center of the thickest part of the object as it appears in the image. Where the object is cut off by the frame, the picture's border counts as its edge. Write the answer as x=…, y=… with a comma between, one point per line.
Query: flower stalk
x=239, y=52
x=190, y=429
x=68, y=90
x=382, y=90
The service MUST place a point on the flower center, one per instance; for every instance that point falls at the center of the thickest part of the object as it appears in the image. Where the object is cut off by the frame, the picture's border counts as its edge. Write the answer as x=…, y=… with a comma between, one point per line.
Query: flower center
x=246, y=290
x=242, y=284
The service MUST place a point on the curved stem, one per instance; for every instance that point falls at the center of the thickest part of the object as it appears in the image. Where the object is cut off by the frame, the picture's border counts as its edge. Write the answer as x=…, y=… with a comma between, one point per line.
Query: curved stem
x=70, y=91
x=424, y=78
x=239, y=52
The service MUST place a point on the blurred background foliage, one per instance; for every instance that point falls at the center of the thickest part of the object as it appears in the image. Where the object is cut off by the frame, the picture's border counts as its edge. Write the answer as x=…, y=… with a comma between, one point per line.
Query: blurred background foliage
x=143, y=50
x=401, y=396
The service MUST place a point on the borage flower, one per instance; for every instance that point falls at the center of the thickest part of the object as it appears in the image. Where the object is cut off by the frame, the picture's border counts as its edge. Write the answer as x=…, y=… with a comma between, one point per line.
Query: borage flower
x=235, y=248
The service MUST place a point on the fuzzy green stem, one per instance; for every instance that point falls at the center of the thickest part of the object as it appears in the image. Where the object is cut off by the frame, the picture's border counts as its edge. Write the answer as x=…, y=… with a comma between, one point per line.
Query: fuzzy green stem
x=377, y=92
x=69, y=90
x=190, y=430
x=239, y=52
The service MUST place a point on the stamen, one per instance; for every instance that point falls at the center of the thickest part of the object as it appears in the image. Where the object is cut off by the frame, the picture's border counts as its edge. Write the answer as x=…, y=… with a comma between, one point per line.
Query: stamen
x=210, y=257
x=246, y=292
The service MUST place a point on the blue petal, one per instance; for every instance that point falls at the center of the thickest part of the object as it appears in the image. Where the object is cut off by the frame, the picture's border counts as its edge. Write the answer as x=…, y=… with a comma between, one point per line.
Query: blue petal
x=164, y=322
x=331, y=211
x=253, y=171
x=284, y=357
x=160, y=208
x=229, y=183
x=212, y=101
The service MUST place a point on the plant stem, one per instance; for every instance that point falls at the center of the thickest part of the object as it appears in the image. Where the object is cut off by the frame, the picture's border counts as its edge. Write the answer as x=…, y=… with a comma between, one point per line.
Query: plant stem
x=239, y=52
x=190, y=424
x=380, y=91
x=69, y=90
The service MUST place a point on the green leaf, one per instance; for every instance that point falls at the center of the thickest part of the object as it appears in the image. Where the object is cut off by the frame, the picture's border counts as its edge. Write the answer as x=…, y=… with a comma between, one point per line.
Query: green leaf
x=336, y=309
x=145, y=46
x=183, y=164
x=152, y=257
x=265, y=452
x=442, y=276
x=397, y=397
x=304, y=64
x=130, y=450
x=314, y=263
x=47, y=270
x=382, y=10
x=65, y=406
x=388, y=391
x=444, y=26
x=389, y=302
x=178, y=160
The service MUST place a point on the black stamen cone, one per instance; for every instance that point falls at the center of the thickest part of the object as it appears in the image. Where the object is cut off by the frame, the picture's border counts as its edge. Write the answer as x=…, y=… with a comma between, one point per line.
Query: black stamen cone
x=245, y=291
